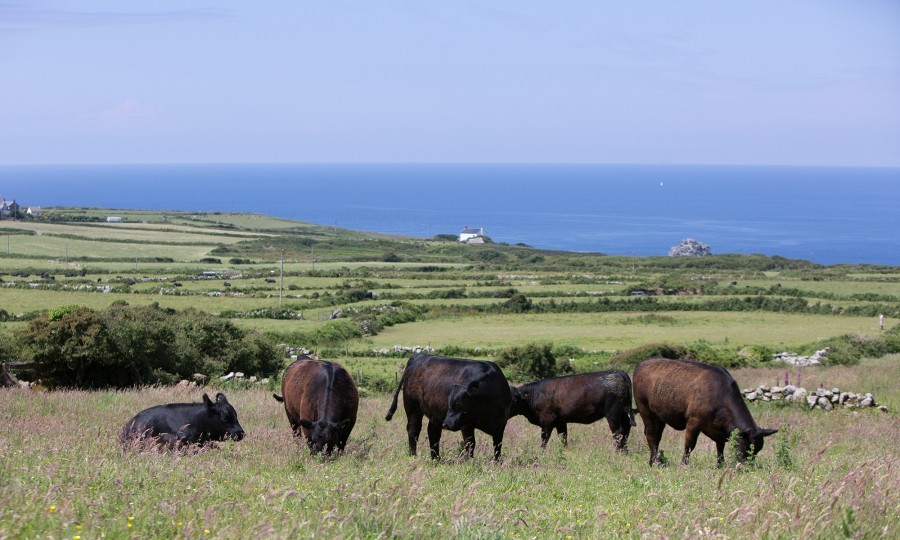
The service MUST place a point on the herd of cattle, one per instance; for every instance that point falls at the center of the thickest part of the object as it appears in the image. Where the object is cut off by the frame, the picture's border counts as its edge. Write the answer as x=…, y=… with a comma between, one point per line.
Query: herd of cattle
x=321, y=402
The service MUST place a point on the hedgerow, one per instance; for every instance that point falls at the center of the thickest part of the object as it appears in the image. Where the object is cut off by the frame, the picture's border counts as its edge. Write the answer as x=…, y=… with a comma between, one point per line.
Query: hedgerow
x=124, y=346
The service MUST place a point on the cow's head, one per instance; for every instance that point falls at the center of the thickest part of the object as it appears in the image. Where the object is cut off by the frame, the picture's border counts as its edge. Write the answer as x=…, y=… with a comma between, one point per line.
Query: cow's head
x=750, y=442
x=520, y=399
x=222, y=419
x=460, y=405
x=323, y=435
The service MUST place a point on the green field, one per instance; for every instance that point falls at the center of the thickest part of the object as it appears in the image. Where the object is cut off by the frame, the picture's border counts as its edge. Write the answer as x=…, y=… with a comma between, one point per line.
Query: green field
x=830, y=475
x=618, y=331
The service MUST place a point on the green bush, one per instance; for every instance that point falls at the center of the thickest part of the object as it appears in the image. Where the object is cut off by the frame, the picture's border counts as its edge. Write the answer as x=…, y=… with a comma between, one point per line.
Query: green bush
x=518, y=303
x=127, y=346
x=531, y=362
x=627, y=360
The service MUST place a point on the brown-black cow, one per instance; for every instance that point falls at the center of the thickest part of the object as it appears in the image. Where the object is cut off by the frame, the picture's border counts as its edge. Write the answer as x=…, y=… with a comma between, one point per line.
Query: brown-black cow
x=321, y=402
x=697, y=398
x=583, y=398
x=455, y=394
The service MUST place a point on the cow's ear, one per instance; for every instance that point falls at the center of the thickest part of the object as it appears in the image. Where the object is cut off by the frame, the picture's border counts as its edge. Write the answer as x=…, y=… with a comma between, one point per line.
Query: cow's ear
x=207, y=401
x=278, y=398
x=767, y=432
x=305, y=423
x=473, y=387
x=220, y=398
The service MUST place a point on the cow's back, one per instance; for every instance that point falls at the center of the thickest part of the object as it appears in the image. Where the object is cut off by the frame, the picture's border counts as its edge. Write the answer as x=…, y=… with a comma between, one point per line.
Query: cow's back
x=429, y=380
x=315, y=388
x=159, y=420
x=580, y=398
x=675, y=390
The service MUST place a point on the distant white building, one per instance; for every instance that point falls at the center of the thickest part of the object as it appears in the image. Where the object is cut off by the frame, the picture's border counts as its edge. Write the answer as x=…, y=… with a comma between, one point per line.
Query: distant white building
x=470, y=233
x=113, y=219
x=34, y=211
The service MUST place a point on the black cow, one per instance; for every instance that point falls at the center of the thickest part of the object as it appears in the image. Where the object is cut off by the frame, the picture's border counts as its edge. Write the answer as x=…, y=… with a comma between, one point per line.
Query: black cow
x=180, y=424
x=321, y=402
x=697, y=398
x=582, y=399
x=455, y=394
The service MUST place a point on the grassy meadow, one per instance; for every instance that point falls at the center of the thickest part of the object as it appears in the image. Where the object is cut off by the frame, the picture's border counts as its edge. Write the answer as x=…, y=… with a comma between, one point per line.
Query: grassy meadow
x=63, y=474
x=825, y=475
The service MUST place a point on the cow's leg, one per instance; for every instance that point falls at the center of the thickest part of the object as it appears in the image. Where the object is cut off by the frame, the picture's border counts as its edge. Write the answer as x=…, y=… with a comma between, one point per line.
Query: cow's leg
x=468, y=434
x=620, y=433
x=413, y=428
x=434, y=438
x=653, y=430
x=546, y=431
x=720, y=453
x=691, y=432
x=563, y=431
x=498, y=441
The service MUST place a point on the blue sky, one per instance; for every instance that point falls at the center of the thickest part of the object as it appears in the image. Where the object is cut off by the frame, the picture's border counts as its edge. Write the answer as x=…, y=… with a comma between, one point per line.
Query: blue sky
x=800, y=82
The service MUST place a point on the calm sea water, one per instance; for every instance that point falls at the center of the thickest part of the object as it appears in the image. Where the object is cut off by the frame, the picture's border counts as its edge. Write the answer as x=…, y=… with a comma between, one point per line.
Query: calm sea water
x=827, y=215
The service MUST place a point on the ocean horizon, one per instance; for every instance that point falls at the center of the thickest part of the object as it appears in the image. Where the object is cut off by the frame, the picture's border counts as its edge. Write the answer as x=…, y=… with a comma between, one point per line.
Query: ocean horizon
x=828, y=215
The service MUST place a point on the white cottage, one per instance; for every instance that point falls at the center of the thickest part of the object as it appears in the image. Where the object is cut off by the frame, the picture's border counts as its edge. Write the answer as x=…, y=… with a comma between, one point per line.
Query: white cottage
x=468, y=233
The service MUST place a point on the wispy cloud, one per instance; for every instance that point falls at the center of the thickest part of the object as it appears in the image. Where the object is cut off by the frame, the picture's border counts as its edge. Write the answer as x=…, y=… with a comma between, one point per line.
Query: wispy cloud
x=24, y=16
x=130, y=113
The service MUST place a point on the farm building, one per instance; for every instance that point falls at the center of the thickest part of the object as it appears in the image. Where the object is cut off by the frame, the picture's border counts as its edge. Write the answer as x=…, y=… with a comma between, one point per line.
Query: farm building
x=113, y=219
x=468, y=234
x=8, y=208
x=34, y=211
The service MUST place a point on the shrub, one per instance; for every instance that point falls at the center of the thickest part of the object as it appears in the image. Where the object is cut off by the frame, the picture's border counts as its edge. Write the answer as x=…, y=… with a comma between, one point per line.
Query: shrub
x=531, y=361
x=758, y=354
x=518, y=303
x=127, y=346
x=627, y=360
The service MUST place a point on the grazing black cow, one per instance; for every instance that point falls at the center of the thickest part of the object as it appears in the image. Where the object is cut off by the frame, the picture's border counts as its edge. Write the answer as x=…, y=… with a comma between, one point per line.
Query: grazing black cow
x=321, y=402
x=697, y=398
x=180, y=424
x=582, y=399
x=455, y=394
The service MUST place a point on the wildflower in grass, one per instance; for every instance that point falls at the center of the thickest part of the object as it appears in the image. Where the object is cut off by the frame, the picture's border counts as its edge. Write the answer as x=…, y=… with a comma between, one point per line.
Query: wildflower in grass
x=51, y=508
x=77, y=527
x=130, y=518
x=205, y=531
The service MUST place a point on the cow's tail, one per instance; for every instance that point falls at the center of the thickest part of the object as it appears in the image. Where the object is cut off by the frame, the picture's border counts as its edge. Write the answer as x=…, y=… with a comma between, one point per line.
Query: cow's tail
x=628, y=407
x=393, y=409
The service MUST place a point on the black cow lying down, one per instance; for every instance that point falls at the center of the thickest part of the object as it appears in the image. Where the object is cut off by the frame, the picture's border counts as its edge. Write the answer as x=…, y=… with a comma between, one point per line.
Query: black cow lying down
x=182, y=424
x=455, y=394
x=582, y=399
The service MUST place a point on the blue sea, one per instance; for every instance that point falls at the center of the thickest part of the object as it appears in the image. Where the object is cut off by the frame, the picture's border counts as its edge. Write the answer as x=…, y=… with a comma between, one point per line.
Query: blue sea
x=828, y=215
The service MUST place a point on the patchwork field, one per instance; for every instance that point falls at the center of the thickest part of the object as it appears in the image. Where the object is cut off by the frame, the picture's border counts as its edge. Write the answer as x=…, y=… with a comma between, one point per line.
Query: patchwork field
x=354, y=297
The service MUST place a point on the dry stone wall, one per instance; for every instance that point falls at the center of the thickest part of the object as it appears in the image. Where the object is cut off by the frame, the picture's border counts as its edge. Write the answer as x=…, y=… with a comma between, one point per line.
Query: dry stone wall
x=820, y=398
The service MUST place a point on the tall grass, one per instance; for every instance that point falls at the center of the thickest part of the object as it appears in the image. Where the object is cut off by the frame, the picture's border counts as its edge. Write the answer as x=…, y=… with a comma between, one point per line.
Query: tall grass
x=64, y=475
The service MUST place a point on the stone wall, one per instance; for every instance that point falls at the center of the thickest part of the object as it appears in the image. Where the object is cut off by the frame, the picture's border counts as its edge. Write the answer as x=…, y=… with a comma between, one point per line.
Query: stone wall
x=817, y=399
